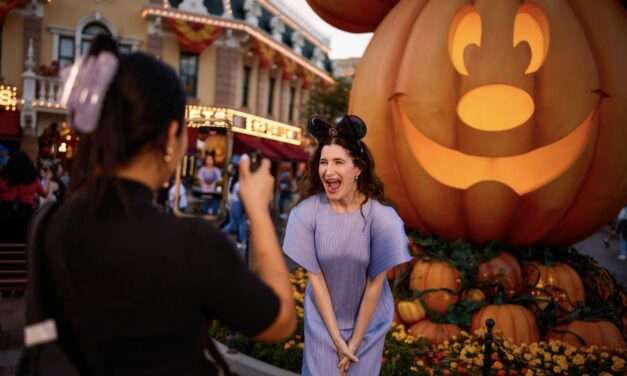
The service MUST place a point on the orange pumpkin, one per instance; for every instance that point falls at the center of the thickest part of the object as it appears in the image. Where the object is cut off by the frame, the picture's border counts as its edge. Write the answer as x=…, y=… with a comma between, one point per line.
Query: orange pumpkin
x=514, y=322
x=355, y=16
x=560, y=280
x=504, y=270
x=435, y=333
x=428, y=275
x=479, y=104
x=474, y=295
x=411, y=311
x=588, y=333
x=397, y=271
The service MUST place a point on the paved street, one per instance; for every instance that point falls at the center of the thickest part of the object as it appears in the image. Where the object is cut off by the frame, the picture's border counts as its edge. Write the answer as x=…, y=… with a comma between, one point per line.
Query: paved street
x=12, y=309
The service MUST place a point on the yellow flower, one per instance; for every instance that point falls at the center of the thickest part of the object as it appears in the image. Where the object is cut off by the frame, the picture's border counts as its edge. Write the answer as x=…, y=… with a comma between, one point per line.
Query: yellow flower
x=605, y=355
x=579, y=360
x=547, y=357
x=557, y=369
x=529, y=373
x=301, y=345
x=453, y=365
x=497, y=365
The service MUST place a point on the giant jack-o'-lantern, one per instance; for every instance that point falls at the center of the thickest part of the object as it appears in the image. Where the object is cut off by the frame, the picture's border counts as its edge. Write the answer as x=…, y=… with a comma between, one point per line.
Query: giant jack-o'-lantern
x=499, y=119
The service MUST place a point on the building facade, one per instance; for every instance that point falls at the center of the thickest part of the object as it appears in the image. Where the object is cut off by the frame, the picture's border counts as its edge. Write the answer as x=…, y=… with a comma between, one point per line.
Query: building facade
x=247, y=58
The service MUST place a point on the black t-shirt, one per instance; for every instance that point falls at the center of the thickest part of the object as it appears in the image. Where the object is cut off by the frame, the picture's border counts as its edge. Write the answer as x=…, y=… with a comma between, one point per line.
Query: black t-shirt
x=146, y=284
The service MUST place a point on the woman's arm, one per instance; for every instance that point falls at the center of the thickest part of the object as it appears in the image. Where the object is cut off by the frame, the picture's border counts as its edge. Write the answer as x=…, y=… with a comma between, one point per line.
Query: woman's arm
x=323, y=301
x=369, y=304
x=256, y=193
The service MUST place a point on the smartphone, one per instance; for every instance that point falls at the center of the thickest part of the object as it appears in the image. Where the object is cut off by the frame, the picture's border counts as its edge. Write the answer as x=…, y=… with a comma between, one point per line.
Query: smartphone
x=255, y=160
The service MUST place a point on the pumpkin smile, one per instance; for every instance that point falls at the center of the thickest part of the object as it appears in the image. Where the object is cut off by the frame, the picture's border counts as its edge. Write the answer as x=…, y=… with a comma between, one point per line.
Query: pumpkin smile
x=532, y=170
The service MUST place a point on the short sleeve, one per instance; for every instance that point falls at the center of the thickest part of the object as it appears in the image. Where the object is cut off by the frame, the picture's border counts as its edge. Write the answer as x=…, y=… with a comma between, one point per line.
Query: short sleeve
x=248, y=305
x=299, y=242
x=389, y=243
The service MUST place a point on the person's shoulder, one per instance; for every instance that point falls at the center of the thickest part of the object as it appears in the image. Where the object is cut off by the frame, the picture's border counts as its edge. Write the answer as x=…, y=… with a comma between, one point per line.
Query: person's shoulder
x=306, y=208
x=308, y=204
x=383, y=213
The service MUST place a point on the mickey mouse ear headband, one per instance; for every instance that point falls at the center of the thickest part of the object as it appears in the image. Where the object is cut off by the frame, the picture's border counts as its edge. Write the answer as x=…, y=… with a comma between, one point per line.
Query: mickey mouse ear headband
x=349, y=127
x=85, y=84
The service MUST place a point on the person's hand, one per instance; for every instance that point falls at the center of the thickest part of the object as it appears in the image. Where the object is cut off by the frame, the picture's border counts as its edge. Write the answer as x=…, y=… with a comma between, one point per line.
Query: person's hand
x=345, y=362
x=255, y=189
x=345, y=355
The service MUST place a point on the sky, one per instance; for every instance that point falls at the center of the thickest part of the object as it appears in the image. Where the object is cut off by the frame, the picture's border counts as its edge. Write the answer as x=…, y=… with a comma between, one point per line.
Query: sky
x=343, y=44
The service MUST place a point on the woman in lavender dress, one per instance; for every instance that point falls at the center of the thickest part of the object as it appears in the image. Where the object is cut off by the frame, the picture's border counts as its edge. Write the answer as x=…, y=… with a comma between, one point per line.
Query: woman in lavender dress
x=347, y=239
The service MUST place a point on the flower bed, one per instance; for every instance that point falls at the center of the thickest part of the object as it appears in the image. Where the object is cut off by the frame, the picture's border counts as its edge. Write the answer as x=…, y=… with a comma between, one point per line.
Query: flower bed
x=461, y=352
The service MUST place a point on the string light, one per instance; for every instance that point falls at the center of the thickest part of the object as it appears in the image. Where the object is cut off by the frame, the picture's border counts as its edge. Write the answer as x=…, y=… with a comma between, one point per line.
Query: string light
x=8, y=97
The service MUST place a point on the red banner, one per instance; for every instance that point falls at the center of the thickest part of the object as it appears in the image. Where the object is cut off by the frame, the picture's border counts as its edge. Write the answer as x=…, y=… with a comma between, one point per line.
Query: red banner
x=7, y=6
x=194, y=37
x=266, y=55
x=308, y=78
x=288, y=67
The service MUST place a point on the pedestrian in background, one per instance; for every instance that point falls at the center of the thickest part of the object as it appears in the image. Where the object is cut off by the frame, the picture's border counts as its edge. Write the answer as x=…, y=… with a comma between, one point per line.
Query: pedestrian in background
x=209, y=176
x=238, y=221
x=20, y=187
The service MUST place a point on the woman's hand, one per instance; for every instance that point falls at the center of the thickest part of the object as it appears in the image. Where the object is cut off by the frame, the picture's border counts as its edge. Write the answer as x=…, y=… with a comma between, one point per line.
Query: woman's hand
x=256, y=188
x=345, y=362
x=344, y=352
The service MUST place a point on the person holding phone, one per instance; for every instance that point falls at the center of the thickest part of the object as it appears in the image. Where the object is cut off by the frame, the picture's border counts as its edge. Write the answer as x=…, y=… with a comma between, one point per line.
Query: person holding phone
x=135, y=289
x=346, y=237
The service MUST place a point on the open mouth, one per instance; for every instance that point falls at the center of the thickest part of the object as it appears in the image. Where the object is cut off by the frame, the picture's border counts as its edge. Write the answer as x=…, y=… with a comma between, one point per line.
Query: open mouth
x=332, y=185
x=523, y=173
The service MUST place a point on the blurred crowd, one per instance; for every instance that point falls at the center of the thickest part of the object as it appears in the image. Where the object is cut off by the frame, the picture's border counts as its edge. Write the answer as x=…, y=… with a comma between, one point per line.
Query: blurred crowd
x=24, y=187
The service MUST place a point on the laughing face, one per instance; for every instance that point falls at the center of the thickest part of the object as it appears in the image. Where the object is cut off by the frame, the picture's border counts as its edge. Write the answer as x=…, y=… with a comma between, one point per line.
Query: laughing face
x=337, y=172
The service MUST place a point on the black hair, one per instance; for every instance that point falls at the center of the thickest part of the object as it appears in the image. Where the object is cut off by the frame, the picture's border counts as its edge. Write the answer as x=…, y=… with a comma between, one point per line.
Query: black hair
x=144, y=97
x=19, y=170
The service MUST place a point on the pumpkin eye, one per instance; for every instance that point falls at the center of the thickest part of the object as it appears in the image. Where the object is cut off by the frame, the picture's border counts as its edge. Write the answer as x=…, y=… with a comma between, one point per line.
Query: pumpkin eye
x=465, y=30
x=531, y=26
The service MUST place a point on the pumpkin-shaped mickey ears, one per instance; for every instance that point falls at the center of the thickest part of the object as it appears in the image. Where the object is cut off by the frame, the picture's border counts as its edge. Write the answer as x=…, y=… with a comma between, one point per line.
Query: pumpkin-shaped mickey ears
x=318, y=127
x=355, y=126
x=354, y=16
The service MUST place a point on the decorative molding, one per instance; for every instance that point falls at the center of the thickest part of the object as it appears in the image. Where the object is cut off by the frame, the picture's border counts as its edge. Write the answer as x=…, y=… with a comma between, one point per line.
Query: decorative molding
x=155, y=26
x=278, y=8
x=298, y=41
x=318, y=58
x=278, y=28
x=194, y=6
x=260, y=35
x=253, y=12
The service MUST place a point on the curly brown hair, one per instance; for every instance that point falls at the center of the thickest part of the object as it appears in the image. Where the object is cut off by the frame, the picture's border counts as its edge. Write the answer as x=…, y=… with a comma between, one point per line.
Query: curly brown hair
x=368, y=182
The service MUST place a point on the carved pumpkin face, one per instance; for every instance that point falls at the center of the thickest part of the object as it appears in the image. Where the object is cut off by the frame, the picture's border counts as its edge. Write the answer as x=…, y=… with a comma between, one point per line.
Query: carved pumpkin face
x=488, y=118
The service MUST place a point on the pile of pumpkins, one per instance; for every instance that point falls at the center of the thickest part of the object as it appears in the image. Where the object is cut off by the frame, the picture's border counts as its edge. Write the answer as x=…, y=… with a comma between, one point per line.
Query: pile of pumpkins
x=440, y=286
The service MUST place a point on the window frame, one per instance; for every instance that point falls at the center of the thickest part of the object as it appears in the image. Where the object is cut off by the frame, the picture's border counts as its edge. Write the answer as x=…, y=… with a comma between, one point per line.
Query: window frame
x=184, y=75
x=271, y=90
x=60, y=57
x=246, y=79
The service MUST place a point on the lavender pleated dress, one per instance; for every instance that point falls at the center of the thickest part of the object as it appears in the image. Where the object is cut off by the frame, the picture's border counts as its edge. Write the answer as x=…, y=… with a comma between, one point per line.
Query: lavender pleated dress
x=347, y=248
